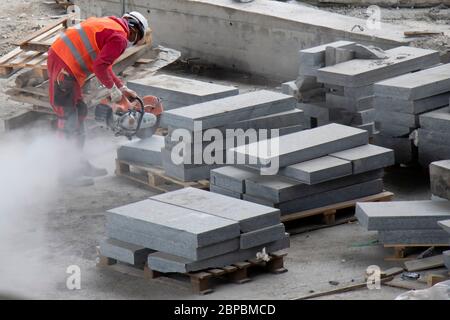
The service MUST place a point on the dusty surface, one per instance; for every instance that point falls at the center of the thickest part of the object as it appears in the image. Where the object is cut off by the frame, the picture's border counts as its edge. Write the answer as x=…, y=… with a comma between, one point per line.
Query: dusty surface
x=435, y=19
x=45, y=228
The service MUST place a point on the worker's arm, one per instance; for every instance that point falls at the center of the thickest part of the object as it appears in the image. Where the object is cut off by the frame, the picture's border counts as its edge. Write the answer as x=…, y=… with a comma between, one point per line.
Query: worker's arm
x=112, y=49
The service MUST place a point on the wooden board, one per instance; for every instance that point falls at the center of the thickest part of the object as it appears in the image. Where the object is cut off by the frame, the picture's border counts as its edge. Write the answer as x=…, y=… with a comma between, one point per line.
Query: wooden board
x=154, y=177
x=425, y=263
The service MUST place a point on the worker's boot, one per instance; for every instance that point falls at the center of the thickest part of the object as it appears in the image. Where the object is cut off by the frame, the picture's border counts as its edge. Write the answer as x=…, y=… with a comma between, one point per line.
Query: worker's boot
x=89, y=170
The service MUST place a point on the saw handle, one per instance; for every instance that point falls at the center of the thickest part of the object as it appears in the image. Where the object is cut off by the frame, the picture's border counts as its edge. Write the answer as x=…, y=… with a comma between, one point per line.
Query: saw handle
x=142, y=112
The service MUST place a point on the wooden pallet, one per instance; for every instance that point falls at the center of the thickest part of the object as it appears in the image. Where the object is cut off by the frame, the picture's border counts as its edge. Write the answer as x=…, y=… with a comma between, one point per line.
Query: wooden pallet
x=155, y=177
x=403, y=252
x=329, y=212
x=201, y=281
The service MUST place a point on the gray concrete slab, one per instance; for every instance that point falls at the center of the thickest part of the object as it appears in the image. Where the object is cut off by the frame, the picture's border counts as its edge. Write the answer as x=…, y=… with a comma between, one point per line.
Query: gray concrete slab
x=262, y=236
x=173, y=223
x=401, y=119
x=433, y=138
x=410, y=106
x=440, y=179
x=223, y=191
x=124, y=252
x=317, y=110
x=418, y=85
x=402, y=215
x=219, y=112
x=249, y=216
x=323, y=199
x=350, y=104
x=278, y=120
x=445, y=224
x=318, y=170
x=304, y=145
x=316, y=55
x=358, y=92
x=446, y=255
x=177, y=91
x=391, y=129
x=413, y=236
x=174, y=246
x=361, y=72
x=367, y=158
x=369, y=127
x=430, y=151
x=403, y=148
x=278, y=189
x=438, y=120
x=164, y=262
x=232, y=178
x=145, y=151
x=364, y=117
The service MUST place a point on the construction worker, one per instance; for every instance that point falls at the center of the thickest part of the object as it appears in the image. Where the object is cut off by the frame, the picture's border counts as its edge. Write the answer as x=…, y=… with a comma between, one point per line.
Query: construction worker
x=89, y=47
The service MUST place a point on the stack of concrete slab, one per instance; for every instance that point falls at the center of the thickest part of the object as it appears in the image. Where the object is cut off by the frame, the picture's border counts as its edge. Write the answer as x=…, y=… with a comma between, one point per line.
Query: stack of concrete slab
x=211, y=128
x=146, y=151
x=317, y=167
x=433, y=138
x=406, y=222
x=400, y=100
x=190, y=230
x=177, y=92
x=350, y=100
x=306, y=87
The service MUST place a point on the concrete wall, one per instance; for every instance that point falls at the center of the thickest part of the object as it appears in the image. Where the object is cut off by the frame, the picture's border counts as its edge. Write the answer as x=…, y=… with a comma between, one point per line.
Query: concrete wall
x=262, y=37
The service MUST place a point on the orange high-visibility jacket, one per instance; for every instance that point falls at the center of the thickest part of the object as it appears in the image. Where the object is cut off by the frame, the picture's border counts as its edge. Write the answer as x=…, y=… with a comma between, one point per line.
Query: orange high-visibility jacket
x=78, y=48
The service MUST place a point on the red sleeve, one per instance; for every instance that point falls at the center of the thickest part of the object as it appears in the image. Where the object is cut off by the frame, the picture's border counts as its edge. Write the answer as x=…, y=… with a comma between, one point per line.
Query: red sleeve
x=112, y=44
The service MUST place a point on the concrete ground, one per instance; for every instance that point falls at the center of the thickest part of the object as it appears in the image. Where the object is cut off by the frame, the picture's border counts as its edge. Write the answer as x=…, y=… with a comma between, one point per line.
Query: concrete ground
x=46, y=229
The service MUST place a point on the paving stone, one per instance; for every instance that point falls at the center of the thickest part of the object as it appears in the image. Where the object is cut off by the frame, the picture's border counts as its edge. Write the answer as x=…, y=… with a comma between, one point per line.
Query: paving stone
x=326, y=198
x=304, y=145
x=318, y=170
x=367, y=158
x=438, y=120
x=262, y=236
x=174, y=246
x=145, y=151
x=177, y=91
x=361, y=72
x=169, y=228
x=278, y=120
x=249, y=216
x=425, y=236
x=124, y=252
x=231, y=178
x=350, y=104
x=402, y=215
x=435, y=138
x=391, y=129
x=226, y=192
x=278, y=189
x=445, y=224
x=316, y=55
x=418, y=85
x=364, y=117
x=440, y=178
x=401, y=119
x=219, y=112
x=369, y=127
x=410, y=106
x=403, y=148
x=164, y=262
x=429, y=152
x=358, y=92
x=446, y=256
x=317, y=110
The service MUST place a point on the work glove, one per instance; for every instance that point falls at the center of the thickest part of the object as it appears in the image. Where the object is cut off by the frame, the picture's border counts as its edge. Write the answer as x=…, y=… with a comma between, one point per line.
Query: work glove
x=128, y=92
x=115, y=94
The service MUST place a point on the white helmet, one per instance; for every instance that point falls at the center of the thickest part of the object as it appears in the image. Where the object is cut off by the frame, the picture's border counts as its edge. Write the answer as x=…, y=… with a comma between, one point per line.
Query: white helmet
x=137, y=21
